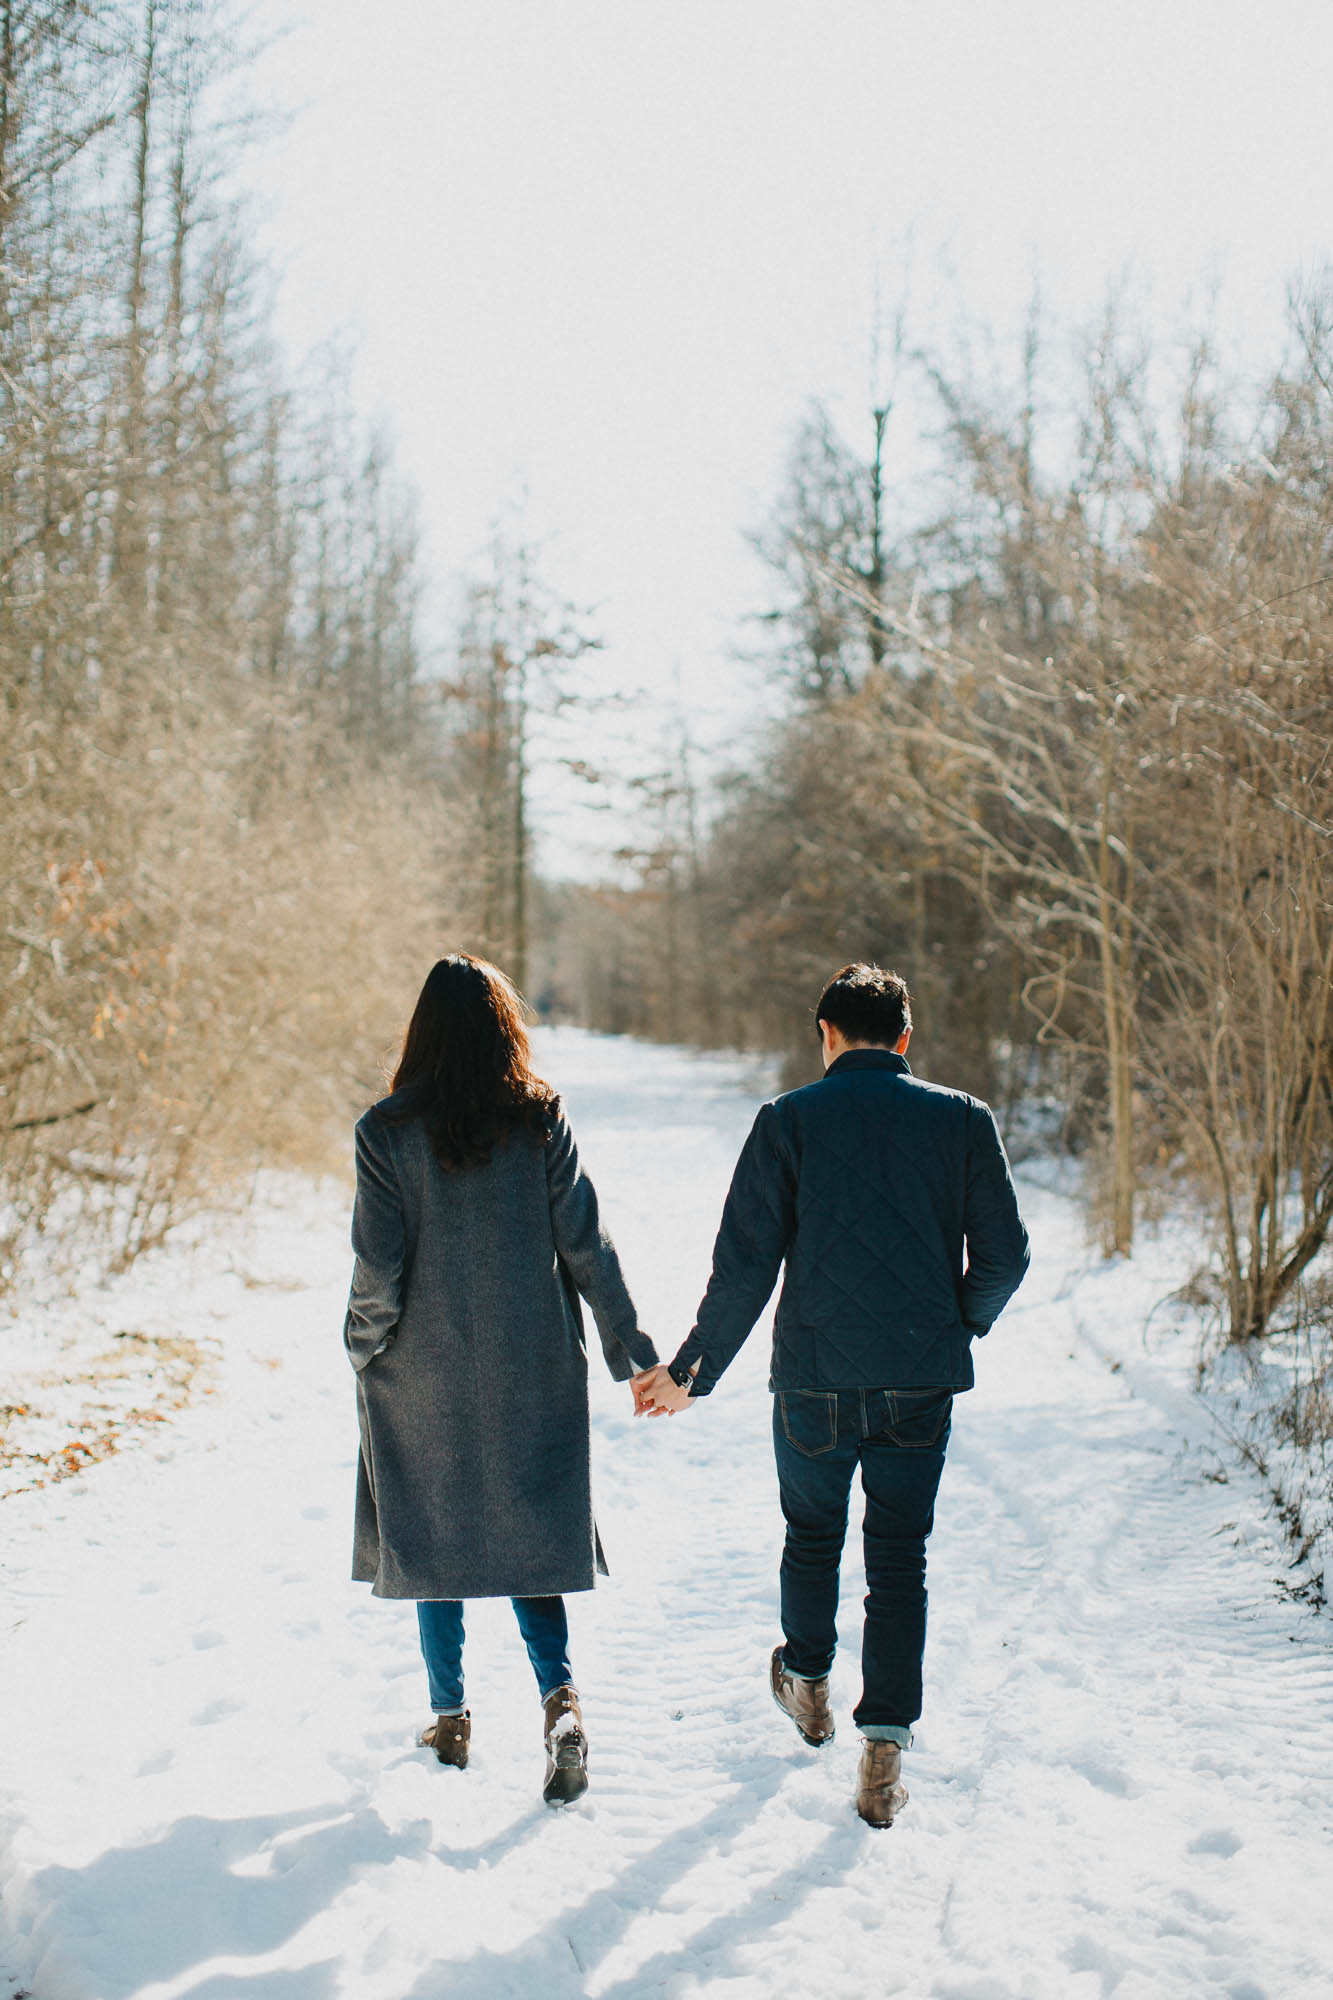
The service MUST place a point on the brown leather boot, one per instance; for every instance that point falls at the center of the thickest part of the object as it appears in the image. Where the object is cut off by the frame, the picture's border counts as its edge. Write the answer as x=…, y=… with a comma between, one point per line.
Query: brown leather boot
x=880, y=1792
x=806, y=1702
x=449, y=1736
x=566, y=1747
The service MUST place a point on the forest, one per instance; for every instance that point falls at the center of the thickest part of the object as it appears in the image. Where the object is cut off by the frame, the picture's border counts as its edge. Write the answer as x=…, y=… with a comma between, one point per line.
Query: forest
x=1053, y=728
x=1061, y=750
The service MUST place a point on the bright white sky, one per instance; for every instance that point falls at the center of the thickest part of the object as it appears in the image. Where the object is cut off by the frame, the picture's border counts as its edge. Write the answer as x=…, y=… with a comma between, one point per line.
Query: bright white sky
x=599, y=253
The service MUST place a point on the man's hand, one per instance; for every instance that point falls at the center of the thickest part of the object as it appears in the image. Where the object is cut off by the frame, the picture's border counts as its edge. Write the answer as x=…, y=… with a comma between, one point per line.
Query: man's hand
x=661, y=1396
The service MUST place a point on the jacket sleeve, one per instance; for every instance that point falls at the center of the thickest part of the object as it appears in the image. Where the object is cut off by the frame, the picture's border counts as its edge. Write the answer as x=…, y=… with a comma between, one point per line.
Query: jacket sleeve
x=588, y=1255
x=997, y=1242
x=377, y=1242
x=757, y=1224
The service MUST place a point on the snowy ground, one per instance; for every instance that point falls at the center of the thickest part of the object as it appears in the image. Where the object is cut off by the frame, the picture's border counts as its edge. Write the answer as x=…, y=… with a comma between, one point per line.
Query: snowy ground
x=1121, y=1785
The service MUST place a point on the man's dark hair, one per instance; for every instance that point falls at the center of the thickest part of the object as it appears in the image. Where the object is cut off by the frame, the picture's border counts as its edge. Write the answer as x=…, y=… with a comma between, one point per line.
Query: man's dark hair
x=866, y=1004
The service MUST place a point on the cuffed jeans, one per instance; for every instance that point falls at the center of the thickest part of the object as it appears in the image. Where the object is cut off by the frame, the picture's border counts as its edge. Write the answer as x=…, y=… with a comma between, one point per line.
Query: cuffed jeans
x=545, y=1631
x=898, y=1437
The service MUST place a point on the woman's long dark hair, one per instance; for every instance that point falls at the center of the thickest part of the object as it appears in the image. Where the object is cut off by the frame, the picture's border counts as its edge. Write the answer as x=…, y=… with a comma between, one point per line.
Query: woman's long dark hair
x=466, y=1069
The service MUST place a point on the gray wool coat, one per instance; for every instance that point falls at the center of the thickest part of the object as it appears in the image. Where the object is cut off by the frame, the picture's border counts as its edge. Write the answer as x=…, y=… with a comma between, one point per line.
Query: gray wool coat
x=466, y=1334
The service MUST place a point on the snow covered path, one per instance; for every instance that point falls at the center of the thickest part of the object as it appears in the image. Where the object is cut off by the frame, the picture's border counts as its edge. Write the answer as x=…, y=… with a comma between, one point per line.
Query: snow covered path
x=1121, y=1785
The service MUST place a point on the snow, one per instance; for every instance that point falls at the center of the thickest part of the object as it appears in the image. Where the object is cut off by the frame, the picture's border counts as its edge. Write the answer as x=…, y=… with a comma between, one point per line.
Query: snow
x=210, y=1785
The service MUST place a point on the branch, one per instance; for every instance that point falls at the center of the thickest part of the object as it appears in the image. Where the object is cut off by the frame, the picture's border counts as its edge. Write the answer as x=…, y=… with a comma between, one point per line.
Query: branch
x=53, y=1117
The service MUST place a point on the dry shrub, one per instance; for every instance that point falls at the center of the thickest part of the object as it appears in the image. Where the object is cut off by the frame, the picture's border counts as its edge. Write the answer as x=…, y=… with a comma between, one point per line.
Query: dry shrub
x=210, y=943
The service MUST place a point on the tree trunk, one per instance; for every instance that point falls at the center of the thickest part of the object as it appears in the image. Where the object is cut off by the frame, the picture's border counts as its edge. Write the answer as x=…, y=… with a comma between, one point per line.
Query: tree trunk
x=518, y=967
x=130, y=542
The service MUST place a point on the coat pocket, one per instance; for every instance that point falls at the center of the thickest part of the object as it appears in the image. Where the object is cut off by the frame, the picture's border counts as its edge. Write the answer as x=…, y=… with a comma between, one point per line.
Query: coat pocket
x=809, y=1419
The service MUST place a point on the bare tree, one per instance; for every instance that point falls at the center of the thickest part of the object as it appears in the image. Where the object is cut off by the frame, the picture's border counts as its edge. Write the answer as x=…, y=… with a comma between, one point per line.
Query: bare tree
x=214, y=749
x=517, y=644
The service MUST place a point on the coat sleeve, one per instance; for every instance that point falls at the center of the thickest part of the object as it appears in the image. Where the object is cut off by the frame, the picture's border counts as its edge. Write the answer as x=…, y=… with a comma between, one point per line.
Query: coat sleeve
x=377, y=1241
x=757, y=1224
x=997, y=1242
x=588, y=1255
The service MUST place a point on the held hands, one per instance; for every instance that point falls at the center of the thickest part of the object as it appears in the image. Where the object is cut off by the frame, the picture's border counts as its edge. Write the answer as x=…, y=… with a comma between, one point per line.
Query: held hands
x=656, y=1395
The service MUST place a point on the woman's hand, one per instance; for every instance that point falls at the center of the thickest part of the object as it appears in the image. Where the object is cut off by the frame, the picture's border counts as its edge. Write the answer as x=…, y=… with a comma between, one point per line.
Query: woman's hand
x=641, y=1388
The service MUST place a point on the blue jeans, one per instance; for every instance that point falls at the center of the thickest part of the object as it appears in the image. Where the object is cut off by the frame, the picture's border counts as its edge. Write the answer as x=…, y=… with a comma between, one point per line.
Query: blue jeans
x=545, y=1631
x=898, y=1437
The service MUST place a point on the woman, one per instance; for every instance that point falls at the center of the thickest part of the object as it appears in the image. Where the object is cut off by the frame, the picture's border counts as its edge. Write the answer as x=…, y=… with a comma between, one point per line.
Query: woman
x=475, y=1230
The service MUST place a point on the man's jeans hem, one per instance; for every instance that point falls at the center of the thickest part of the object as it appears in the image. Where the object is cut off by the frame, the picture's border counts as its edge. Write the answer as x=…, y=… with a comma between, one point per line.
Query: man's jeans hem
x=887, y=1732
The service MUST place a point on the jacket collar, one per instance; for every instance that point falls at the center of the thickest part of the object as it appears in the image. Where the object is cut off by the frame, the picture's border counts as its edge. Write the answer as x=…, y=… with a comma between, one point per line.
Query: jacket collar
x=869, y=1059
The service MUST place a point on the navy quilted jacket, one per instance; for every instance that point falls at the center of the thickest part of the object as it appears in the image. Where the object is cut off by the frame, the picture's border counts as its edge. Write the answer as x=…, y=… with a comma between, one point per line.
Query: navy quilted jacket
x=870, y=1183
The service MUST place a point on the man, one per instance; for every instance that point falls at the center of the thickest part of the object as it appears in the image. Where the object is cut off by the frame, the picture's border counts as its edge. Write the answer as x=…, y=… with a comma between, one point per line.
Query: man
x=891, y=1202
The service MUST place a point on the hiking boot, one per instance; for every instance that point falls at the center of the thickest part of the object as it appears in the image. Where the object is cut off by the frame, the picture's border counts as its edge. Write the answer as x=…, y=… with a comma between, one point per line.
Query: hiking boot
x=449, y=1736
x=880, y=1791
x=806, y=1702
x=566, y=1747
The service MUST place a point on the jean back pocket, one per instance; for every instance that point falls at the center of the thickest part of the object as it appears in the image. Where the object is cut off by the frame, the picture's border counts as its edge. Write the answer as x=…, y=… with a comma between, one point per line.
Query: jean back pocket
x=917, y=1419
x=809, y=1419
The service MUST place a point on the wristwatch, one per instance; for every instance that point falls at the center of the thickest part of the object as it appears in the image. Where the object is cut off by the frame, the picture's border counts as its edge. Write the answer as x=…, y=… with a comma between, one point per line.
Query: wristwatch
x=682, y=1374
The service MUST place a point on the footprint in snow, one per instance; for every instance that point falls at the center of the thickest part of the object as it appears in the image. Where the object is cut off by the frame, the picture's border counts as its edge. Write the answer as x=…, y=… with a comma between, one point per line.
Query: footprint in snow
x=1106, y=1778
x=216, y=1711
